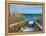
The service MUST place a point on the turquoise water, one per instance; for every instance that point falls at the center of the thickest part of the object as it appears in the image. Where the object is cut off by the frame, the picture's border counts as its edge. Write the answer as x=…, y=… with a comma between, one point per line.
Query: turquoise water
x=30, y=17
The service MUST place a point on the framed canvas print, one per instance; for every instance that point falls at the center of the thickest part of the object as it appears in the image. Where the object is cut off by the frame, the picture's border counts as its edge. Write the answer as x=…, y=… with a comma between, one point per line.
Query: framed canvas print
x=24, y=17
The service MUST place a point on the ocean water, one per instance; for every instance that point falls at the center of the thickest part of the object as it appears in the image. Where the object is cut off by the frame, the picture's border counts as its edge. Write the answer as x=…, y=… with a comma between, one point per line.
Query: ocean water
x=30, y=17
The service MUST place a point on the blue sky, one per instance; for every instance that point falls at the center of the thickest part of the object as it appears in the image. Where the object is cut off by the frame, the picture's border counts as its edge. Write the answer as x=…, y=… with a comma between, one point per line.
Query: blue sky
x=31, y=9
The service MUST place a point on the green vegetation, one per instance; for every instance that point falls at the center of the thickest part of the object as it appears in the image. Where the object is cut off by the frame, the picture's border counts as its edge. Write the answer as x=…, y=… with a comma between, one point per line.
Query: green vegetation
x=17, y=27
